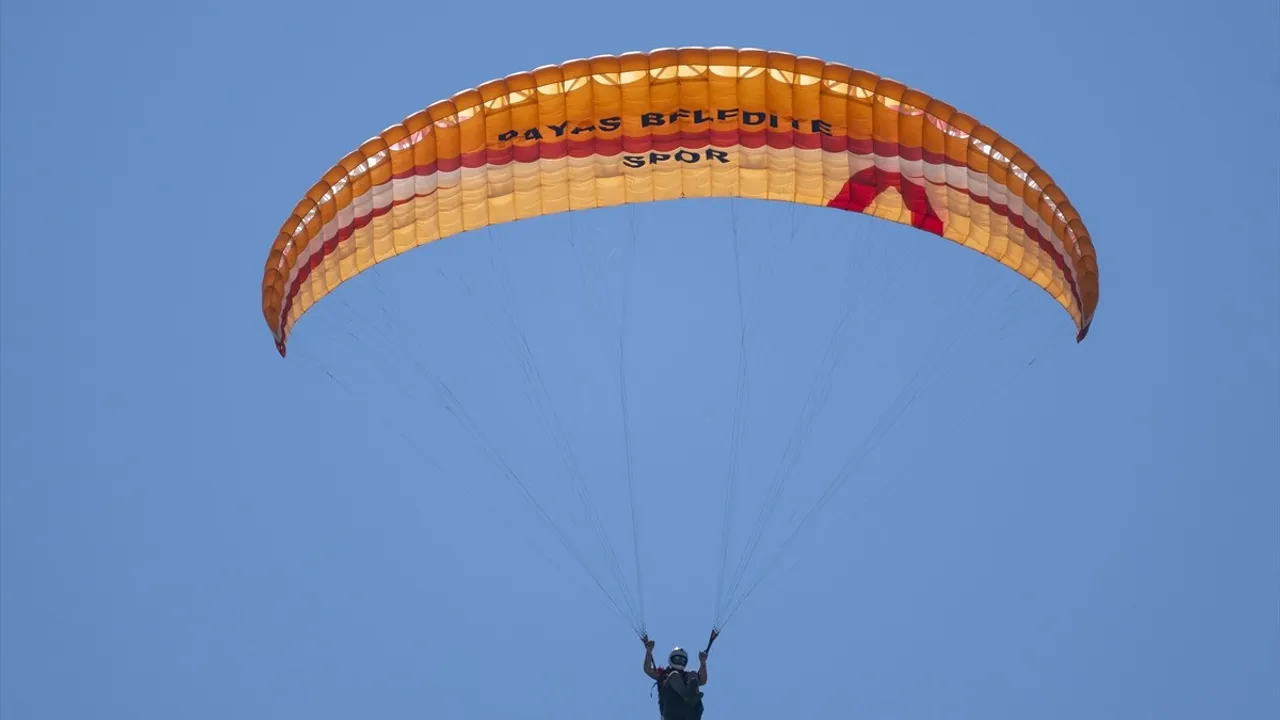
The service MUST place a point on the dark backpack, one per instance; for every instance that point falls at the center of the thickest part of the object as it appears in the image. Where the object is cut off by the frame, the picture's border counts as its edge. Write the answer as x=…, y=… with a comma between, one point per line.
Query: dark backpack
x=678, y=696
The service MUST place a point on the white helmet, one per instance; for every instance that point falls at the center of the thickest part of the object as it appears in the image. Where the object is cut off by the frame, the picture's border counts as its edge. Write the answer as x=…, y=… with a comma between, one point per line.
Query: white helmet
x=678, y=658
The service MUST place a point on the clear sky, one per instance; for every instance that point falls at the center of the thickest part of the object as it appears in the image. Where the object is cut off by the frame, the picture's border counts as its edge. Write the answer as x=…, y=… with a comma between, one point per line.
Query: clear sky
x=192, y=527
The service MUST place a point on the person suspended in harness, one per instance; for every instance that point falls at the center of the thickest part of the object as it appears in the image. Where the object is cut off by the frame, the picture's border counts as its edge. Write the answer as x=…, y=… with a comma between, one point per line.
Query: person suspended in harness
x=679, y=690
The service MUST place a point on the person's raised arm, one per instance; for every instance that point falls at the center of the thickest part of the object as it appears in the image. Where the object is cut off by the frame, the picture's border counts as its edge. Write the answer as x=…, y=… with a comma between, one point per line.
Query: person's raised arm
x=702, y=668
x=649, y=668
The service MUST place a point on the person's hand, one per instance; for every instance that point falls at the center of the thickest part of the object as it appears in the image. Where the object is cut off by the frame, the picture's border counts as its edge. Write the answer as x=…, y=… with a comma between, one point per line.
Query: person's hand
x=648, y=644
x=702, y=656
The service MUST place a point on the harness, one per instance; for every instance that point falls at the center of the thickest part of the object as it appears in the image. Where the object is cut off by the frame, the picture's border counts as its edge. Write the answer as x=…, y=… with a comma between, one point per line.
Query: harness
x=678, y=695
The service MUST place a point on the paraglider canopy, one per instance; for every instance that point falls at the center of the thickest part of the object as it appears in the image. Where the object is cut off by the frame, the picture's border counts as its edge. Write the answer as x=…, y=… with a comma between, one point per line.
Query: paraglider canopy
x=680, y=123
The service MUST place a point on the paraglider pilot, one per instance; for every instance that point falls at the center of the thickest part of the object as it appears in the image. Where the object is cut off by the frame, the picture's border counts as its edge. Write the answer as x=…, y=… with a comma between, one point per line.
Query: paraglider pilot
x=679, y=693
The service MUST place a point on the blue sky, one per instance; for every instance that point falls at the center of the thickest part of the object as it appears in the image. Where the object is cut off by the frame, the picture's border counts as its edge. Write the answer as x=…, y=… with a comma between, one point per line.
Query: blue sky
x=192, y=527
